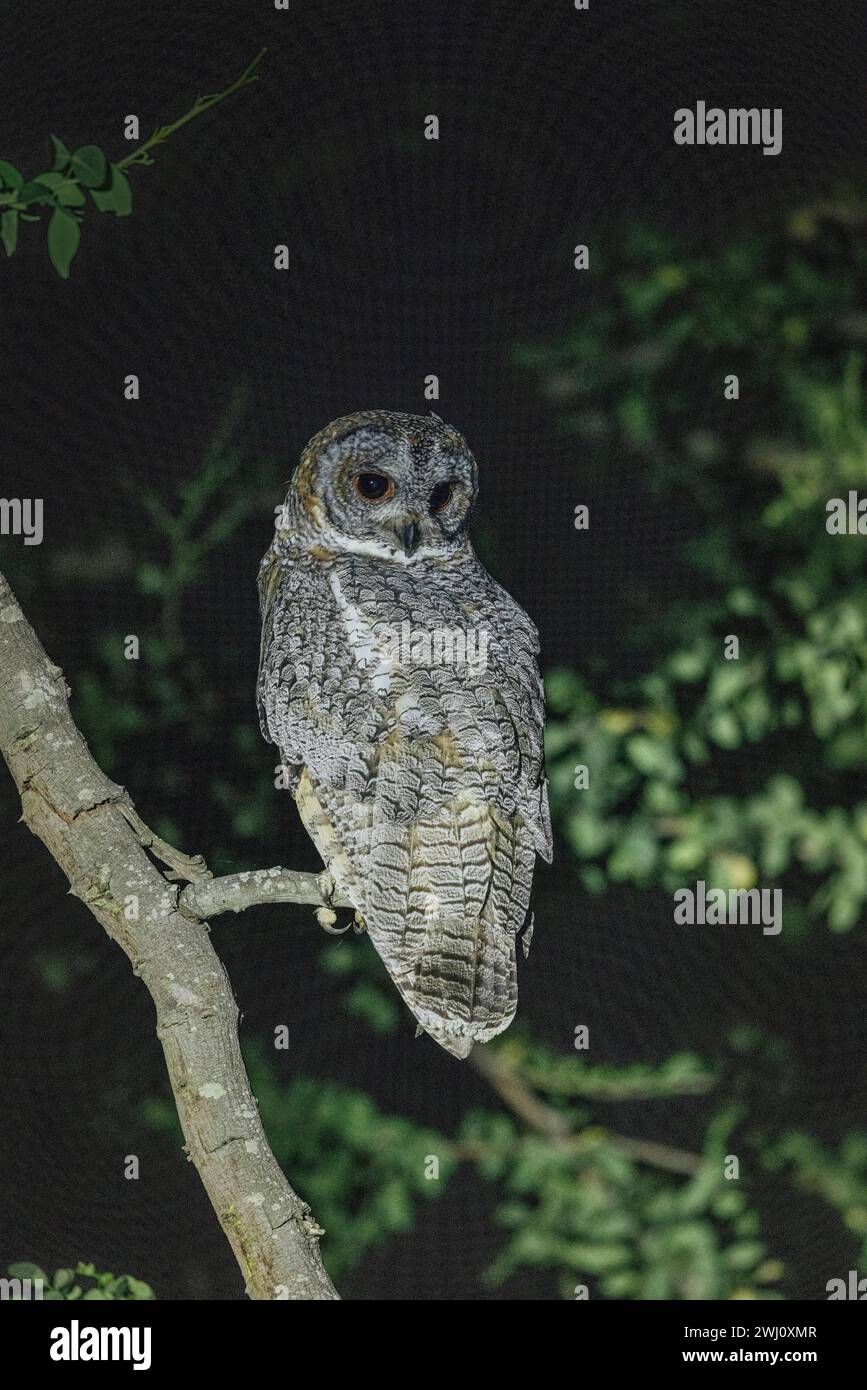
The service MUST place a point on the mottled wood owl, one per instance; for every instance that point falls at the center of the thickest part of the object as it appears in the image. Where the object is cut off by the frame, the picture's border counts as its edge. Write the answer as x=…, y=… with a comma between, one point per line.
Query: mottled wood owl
x=400, y=683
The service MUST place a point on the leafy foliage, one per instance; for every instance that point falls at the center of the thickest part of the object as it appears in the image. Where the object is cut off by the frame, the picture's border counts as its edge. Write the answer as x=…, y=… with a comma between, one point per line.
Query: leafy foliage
x=589, y=1211
x=837, y=1174
x=62, y=188
x=127, y=707
x=65, y=1283
x=644, y=375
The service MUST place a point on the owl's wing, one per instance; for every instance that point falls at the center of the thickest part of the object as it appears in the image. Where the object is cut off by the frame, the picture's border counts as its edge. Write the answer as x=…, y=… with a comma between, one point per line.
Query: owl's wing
x=269, y=579
x=420, y=782
x=316, y=704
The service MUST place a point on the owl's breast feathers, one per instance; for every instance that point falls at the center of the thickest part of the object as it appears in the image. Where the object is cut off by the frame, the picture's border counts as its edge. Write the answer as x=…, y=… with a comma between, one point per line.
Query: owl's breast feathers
x=409, y=705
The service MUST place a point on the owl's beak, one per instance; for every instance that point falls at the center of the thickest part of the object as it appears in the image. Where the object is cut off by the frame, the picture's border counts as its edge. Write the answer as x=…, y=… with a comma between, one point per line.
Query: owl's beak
x=410, y=535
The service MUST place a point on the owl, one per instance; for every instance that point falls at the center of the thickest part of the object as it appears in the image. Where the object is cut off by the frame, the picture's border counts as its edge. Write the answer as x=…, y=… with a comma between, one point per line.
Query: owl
x=400, y=683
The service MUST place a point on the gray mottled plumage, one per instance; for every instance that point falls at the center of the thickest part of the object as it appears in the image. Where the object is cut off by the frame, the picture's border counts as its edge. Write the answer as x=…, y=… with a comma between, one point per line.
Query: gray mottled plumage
x=420, y=780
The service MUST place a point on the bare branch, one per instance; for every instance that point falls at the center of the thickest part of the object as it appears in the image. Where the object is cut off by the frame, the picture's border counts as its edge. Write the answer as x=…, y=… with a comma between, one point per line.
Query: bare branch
x=511, y=1089
x=90, y=826
x=234, y=892
x=556, y=1126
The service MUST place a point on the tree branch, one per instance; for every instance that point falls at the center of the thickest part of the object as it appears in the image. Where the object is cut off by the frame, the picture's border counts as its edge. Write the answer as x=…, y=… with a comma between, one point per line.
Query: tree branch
x=556, y=1126
x=235, y=892
x=90, y=826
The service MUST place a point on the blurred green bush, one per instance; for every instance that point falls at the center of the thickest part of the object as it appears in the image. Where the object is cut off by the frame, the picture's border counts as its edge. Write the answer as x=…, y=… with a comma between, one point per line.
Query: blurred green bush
x=736, y=771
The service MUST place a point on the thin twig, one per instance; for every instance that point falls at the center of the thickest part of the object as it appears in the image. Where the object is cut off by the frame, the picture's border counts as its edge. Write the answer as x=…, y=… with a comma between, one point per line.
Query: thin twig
x=141, y=155
x=189, y=868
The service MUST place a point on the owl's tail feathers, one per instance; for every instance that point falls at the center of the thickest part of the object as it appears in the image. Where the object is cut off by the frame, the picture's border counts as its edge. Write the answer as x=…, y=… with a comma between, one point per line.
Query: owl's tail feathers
x=462, y=986
x=456, y=971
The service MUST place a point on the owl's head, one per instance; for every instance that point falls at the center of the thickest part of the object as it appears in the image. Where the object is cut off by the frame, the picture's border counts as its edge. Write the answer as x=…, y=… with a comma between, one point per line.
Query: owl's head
x=380, y=483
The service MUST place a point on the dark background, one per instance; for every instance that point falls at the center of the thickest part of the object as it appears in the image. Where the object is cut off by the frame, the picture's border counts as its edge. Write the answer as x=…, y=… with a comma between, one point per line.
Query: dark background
x=408, y=257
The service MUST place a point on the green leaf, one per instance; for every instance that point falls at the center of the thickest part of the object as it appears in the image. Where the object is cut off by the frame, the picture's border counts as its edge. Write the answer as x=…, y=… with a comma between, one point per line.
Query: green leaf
x=65, y=189
x=25, y=1270
x=34, y=192
x=118, y=197
x=69, y=194
x=9, y=230
x=137, y=1288
x=724, y=729
x=9, y=175
x=62, y=1278
x=64, y=235
x=744, y=1254
x=95, y=1293
x=62, y=156
x=90, y=166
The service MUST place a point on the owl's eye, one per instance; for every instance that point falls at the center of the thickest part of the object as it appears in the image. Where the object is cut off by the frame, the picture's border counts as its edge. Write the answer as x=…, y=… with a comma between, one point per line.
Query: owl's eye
x=440, y=497
x=374, y=487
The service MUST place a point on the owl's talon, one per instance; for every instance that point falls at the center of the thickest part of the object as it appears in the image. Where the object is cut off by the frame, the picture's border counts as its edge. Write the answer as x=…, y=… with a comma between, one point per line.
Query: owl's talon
x=326, y=918
x=358, y=924
x=327, y=886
